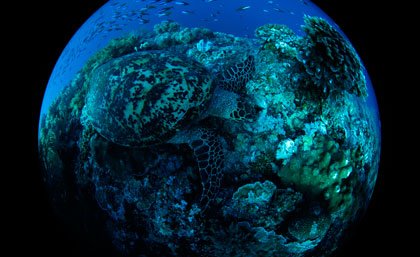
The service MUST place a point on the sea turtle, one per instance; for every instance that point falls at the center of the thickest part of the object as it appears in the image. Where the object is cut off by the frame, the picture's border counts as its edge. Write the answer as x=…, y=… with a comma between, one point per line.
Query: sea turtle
x=155, y=97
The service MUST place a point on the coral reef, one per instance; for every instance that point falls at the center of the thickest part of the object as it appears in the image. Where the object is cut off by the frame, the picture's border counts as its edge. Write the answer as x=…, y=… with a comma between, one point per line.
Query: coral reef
x=166, y=26
x=278, y=38
x=323, y=170
x=330, y=62
x=262, y=204
x=285, y=149
x=295, y=175
x=170, y=34
x=310, y=227
x=204, y=46
x=254, y=194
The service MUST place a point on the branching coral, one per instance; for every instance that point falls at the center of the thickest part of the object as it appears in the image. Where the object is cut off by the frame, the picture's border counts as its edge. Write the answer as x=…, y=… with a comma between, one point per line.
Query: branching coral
x=330, y=62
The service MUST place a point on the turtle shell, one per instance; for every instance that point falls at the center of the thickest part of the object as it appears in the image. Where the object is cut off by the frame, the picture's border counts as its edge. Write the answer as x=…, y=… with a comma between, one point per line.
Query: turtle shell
x=144, y=98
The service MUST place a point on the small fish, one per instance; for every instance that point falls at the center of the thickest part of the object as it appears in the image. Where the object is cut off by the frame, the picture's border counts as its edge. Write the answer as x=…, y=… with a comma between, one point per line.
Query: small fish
x=165, y=9
x=144, y=21
x=278, y=10
x=164, y=14
x=182, y=3
x=243, y=8
x=265, y=10
x=187, y=12
x=209, y=1
x=270, y=2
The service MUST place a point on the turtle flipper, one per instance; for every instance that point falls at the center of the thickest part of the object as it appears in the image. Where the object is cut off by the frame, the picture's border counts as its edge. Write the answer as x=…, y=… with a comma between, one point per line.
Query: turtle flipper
x=208, y=152
x=234, y=78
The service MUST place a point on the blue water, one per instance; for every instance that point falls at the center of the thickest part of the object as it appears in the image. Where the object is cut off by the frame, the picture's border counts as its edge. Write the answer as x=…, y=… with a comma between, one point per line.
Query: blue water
x=118, y=18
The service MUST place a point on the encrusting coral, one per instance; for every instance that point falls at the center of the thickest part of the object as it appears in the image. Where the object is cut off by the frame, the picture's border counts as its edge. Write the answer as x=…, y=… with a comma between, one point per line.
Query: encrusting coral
x=278, y=38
